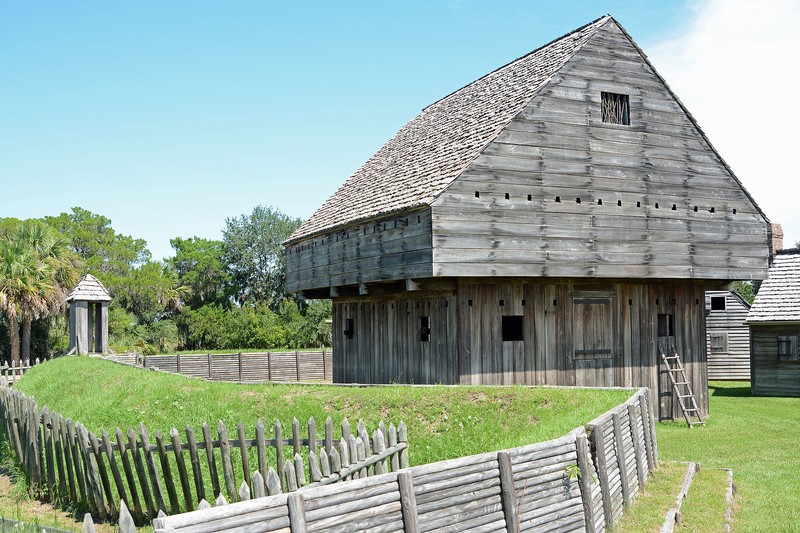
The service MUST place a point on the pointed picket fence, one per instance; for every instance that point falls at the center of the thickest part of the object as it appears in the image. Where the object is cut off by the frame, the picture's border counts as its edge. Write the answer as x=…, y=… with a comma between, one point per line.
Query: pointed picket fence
x=579, y=482
x=177, y=471
x=14, y=371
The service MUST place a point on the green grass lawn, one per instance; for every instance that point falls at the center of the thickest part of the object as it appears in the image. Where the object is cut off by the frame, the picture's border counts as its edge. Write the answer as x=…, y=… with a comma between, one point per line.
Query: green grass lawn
x=443, y=422
x=758, y=438
x=705, y=506
x=703, y=510
x=649, y=507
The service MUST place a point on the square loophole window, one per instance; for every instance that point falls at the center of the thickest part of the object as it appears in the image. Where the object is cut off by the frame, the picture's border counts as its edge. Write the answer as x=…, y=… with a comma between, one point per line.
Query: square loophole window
x=615, y=108
x=513, y=328
x=717, y=303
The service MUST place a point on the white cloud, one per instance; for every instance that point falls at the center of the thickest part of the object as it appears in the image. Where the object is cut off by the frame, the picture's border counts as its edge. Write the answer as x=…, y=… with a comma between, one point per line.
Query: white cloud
x=735, y=67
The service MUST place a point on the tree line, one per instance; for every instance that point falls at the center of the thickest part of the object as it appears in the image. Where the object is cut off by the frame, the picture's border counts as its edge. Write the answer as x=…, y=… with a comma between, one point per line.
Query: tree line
x=223, y=294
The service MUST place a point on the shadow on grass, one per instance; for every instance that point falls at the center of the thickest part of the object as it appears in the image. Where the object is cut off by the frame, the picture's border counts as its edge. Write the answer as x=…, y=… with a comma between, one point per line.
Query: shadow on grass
x=736, y=390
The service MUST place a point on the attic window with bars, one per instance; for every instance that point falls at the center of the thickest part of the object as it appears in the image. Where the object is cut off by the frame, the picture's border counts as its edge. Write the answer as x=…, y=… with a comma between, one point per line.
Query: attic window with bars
x=615, y=108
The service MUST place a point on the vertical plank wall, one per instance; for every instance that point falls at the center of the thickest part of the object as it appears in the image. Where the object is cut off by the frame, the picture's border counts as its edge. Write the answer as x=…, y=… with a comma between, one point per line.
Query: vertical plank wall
x=386, y=344
x=575, y=333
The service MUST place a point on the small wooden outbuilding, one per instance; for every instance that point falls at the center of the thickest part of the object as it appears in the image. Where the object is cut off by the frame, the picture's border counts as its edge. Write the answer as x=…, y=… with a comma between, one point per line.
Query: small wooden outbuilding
x=774, y=321
x=728, y=336
x=88, y=316
x=555, y=222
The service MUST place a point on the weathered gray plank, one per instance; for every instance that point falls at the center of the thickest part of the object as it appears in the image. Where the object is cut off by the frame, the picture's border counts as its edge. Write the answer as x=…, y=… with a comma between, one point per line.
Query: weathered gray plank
x=194, y=459
x=227, y=463
x=129, y=476
x=150, y=462
x=144, y=484
x=212, y=463
x=183, y=474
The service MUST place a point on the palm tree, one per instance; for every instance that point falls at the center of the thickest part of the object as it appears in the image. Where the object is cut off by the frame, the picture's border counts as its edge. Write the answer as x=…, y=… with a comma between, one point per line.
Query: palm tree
x=51, y=249
x=37, y=272
x=22, y=281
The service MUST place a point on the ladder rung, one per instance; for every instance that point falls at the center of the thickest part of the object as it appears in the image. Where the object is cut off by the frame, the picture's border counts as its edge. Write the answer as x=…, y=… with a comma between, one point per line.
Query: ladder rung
x=676, y=372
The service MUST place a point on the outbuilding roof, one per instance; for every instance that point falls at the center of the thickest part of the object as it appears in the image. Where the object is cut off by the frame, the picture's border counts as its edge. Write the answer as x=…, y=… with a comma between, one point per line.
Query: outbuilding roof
x=89, y=289
x=430, y=151
x=778, y=299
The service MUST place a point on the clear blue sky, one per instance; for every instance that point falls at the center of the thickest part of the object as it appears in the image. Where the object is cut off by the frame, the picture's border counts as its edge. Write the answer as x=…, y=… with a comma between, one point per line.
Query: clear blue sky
x=169, y=117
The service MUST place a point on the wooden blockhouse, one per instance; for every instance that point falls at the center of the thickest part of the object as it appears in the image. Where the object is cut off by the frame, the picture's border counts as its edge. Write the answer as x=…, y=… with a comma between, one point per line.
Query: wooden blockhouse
x=774, y=321
x=728, y=345
x=555, y=222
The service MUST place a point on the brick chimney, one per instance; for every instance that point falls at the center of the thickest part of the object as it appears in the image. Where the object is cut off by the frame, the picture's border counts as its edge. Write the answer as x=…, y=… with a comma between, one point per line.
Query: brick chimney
x=777, y=237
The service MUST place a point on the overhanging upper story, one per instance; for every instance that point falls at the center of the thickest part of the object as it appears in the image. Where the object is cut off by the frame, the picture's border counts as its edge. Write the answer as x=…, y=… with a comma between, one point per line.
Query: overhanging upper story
x=575, y=160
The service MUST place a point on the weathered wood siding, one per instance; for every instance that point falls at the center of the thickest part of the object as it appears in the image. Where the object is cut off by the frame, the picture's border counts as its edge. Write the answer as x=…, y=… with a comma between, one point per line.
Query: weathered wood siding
x=770, y=375
x=392, y=248
x=574, y=333
x=733, y=361
x=242, y=367
x=386, y=342
x=560, y=193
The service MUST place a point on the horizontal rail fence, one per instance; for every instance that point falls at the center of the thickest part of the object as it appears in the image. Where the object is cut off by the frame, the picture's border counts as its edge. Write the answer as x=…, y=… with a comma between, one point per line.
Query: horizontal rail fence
x=180, y=471
x=558, y=485
x=243, y=367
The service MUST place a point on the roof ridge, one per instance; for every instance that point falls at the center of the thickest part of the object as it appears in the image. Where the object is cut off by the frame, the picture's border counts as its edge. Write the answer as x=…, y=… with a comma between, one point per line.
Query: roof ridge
x=693, y=121
x=533, y=95
x=89, y=288
x=501, y=67
x=422, y=159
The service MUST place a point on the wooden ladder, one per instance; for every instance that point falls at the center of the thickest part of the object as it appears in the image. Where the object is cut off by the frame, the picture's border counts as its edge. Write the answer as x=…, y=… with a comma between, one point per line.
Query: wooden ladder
x=683, y=389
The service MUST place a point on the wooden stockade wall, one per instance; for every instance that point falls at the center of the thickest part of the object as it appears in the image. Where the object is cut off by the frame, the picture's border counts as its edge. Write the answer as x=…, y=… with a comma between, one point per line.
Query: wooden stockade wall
x=173, y=474
x=579, y=482
x=243, y=367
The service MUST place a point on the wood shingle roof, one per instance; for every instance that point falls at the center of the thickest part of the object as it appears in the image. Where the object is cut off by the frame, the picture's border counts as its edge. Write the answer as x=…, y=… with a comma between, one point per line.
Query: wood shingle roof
x=778, y=299
x=430, y=151
x=89, y=289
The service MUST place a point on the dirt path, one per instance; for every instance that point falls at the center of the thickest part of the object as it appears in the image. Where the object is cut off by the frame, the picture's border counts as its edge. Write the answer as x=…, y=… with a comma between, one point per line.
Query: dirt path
x=28, y=510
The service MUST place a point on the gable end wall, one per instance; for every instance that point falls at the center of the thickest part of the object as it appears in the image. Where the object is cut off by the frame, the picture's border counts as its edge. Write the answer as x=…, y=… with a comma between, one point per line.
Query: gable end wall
x=501, y=216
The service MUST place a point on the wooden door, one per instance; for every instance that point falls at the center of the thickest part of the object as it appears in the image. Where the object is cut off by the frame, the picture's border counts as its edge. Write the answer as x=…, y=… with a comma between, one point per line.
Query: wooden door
x=593, y=341
x=665, y=344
